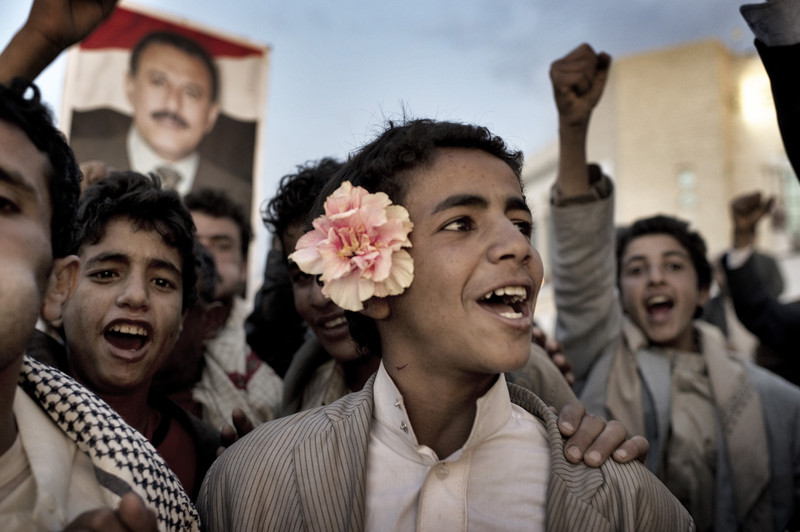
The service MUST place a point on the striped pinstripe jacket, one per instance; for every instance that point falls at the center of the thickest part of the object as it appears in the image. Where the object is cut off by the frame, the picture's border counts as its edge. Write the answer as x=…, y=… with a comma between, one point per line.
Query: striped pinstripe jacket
x=308, y=472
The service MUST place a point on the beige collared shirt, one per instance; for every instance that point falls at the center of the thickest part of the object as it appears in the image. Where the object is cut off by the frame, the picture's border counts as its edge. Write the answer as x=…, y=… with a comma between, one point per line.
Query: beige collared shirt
x=496, y=481
x=45, y=481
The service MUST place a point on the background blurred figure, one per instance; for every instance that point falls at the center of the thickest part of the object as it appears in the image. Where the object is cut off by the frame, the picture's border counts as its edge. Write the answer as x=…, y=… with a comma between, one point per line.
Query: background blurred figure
x=775, y=324
x=724, y=433
x=719, y=310
x=234, y=376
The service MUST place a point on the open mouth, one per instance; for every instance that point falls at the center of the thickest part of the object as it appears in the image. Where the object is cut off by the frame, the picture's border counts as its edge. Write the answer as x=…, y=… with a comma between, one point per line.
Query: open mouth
x=127, y=336
x=335, y=322
x=507, y=301
x=658, y=306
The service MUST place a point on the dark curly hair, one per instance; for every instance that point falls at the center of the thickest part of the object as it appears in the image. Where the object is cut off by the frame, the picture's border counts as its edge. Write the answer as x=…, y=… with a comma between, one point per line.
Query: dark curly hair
x=141, y=199
x=297, y=194
x=217, y=204
x=21, y=106
x=677, y=229
x=385, y=164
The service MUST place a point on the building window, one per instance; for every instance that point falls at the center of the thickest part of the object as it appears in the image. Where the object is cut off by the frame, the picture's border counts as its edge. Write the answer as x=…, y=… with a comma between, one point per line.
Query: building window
x=687, y=190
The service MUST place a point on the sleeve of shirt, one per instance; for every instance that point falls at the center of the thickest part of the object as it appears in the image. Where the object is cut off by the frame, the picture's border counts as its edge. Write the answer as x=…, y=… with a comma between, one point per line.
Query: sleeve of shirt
x=589, y=319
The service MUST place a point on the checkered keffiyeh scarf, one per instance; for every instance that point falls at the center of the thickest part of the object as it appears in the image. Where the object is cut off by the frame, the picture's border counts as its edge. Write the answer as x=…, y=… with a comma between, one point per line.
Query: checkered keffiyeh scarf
x=122, y=457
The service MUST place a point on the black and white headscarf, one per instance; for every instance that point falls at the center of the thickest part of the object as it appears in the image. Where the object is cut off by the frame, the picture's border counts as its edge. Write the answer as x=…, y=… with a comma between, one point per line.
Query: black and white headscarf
x=123, y=459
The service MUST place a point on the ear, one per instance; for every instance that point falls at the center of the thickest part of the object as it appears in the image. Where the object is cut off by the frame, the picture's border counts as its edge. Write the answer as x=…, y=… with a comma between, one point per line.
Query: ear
x=377, y=308
x=60, y=286
x=211, y=119
x=130, y=87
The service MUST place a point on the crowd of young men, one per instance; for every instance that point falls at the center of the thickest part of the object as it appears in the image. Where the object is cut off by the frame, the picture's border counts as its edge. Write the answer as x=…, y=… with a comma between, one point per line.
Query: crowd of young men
x=402, y=411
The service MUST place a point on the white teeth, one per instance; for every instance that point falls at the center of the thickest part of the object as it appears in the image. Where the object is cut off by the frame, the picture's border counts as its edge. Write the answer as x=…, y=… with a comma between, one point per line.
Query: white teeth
x=513, y=315
x=335, y=322
x=655, y=300
x=517, y=293
x=128, y=329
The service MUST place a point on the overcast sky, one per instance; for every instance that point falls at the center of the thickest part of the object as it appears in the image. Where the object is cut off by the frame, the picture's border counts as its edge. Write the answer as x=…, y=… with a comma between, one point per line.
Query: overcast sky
x=340, y=68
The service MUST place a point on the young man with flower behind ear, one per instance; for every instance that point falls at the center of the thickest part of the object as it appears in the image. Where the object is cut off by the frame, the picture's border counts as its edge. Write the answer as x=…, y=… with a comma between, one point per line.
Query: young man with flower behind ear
x=330, y=365
x=436, y=440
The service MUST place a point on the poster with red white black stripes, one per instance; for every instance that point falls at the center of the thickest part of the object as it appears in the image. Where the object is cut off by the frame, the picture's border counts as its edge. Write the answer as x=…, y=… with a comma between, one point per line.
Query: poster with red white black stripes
x=193, y=98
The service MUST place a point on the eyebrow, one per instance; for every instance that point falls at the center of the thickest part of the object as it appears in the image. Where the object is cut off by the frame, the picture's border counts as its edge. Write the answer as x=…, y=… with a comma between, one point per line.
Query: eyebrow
x=113, y=256
x=15, y=180
x=666, y=254
x=514, y=203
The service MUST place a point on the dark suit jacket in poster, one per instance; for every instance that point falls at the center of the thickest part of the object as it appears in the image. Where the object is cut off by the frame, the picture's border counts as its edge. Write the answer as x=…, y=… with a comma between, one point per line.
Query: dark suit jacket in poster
x=308, y=472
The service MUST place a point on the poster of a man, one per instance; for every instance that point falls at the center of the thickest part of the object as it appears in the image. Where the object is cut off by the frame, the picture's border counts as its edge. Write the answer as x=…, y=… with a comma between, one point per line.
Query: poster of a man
x=155, y=95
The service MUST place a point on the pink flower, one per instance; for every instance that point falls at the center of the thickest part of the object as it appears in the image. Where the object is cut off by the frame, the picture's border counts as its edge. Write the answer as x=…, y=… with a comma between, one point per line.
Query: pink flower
x=357, y=247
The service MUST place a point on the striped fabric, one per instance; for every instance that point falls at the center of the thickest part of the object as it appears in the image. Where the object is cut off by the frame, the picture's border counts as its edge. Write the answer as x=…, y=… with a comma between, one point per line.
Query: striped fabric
x=308, y=472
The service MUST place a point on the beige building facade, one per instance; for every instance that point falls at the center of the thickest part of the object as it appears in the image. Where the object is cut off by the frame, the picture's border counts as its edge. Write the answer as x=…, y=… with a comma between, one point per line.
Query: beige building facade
x=682, y=131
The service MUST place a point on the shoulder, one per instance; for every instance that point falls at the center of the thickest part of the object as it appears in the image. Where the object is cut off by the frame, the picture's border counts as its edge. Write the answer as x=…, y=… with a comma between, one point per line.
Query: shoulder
x=774, y=390
x=626, y=496
x=123, y=458
x=255, y=482
x=284, y=436
x=580, y=497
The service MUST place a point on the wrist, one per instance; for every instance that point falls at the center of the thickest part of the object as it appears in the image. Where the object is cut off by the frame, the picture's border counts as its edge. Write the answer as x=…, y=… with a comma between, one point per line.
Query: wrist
x=743, y=238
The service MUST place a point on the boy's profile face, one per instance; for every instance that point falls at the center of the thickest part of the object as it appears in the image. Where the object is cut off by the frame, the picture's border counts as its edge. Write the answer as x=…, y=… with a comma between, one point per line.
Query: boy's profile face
x=125, y=314
x=25, y=242
x=660, y=291
x=469, y=309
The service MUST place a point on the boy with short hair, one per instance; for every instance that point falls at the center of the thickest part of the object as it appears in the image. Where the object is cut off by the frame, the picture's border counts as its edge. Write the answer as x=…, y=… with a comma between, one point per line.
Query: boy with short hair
x=724, y=434
x=124, y=309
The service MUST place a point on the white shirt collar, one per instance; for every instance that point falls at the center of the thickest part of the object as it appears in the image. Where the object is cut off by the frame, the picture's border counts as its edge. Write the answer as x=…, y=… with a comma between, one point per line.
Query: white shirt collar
x=144, y=160
x=492, y=413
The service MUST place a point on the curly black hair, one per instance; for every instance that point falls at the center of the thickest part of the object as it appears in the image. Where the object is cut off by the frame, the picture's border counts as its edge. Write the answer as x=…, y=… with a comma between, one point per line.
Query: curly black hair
x=297, y=194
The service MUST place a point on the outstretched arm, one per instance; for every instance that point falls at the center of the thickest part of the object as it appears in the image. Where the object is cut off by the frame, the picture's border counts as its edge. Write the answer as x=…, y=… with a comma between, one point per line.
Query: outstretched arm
x=52, y=27
x=584, y=272
x=578, y=81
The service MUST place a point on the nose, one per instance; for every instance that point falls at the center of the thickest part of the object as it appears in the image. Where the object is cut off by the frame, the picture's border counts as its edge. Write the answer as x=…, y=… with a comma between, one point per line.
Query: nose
x=508, y=243
x=655, y=274
x=317, y=299
x=133, y=294
x=172, y=99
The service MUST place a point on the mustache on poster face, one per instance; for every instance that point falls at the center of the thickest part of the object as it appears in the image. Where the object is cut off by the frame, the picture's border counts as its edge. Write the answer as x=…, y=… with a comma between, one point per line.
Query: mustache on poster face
x=168, y=115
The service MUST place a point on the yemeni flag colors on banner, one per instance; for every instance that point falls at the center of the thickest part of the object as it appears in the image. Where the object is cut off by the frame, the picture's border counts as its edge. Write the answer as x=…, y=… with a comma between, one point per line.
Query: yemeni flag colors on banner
x=95, y=104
